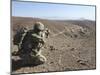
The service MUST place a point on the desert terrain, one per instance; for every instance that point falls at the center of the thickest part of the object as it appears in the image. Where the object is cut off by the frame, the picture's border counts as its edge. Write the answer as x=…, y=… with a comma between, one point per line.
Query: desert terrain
x=70, y=46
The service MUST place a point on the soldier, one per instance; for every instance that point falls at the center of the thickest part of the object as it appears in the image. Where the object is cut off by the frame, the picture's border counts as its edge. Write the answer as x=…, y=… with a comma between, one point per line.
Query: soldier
x=32, y=43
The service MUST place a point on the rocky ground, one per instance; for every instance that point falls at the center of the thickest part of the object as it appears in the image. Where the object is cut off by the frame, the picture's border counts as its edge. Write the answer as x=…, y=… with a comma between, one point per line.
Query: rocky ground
x=70, y=46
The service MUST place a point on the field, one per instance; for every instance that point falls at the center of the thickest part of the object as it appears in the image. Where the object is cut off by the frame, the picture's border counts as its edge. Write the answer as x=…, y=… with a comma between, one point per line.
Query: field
x=70, y=46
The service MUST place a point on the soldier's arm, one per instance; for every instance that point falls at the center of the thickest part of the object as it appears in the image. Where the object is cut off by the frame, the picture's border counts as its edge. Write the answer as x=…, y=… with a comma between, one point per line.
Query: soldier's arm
x=39, y=37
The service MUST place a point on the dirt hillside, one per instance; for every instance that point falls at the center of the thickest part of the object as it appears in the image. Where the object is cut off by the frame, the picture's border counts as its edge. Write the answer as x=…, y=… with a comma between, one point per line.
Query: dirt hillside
x=70, y=46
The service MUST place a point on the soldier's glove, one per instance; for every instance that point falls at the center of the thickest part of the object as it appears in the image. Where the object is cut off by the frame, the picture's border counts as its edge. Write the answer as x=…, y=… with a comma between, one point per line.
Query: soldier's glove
x=42, y=41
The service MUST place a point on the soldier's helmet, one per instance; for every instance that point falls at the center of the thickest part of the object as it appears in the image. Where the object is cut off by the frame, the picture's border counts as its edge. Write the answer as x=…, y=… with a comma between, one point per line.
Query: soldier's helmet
x=39, y=26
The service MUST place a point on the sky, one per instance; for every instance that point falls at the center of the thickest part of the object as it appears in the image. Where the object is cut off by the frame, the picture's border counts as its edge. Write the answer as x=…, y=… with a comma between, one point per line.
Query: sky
x=52, y=11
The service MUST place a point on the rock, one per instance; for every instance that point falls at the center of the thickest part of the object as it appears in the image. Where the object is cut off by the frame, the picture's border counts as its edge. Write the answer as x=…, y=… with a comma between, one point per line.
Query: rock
x=52, y=48
x=82, y=62
x=72, y=49
x=51, y=62
x=68, y=45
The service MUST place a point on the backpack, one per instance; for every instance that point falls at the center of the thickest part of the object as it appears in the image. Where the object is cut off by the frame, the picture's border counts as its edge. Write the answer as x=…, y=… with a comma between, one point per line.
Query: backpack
x=18, y=36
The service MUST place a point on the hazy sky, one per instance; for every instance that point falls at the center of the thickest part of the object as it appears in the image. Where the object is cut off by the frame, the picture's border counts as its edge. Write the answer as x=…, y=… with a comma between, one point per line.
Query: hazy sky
x=52, y=11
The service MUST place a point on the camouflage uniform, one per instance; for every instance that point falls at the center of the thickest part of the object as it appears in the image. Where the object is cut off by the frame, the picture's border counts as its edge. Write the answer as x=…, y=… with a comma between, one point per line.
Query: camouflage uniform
x=31, y=44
